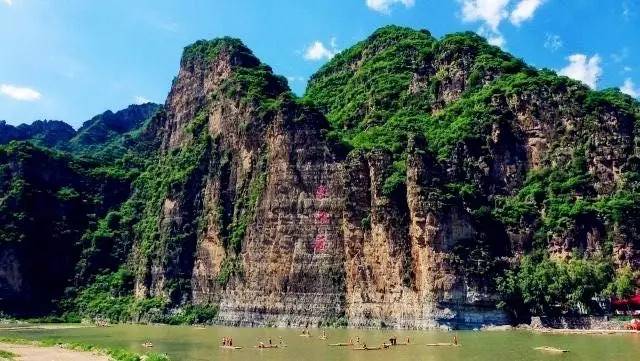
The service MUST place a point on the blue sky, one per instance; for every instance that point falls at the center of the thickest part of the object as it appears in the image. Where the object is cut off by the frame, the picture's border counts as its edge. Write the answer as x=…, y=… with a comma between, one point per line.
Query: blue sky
x=72, y=59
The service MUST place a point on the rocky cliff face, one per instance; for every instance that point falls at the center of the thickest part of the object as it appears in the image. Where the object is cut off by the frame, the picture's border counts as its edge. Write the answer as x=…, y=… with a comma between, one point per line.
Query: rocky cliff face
x=292, y=230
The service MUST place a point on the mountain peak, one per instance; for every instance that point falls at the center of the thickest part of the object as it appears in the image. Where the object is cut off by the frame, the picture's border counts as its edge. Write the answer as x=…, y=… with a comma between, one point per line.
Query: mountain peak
x=210, y=50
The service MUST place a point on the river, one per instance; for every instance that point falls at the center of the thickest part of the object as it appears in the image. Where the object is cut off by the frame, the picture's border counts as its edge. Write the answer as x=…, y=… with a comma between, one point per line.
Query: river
x=201, y=344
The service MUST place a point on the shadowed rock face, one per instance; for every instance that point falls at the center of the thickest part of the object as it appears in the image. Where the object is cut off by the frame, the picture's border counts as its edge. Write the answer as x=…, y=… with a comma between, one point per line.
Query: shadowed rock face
x=47, y=201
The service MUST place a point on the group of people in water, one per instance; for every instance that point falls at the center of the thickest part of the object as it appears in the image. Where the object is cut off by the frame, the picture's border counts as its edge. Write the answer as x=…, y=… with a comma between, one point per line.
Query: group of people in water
x=227, y=341
x=393, y=341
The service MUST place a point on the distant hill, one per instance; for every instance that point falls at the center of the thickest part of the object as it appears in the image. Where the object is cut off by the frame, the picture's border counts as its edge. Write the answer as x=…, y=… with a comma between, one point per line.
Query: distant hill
x=109, y=127
x=104, y=135
x=47, y=133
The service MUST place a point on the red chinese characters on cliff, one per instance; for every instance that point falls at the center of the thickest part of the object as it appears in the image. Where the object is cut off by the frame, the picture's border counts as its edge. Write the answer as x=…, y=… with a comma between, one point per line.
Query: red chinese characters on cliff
x=322, y=218
x=319, y=244
x=321, y=192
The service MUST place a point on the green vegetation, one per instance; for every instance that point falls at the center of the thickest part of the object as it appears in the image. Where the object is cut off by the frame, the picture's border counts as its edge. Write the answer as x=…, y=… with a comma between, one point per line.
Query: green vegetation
x=110, y=298
x=7, y=355
x=210, y=49
x=116, y=354
x=374, y=107
x=543, y=286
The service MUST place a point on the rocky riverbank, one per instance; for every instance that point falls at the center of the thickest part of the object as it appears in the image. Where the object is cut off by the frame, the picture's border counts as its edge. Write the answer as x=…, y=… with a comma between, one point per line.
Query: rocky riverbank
x=583, y=323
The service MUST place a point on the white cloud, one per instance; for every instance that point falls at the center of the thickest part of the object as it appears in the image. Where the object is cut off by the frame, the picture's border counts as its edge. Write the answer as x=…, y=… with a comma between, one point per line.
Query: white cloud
x=8, y=2
x=497, y=40
x=553, y=42
x=333, y=42
x=621, y=56
x=493, y=37
x=491, y=12
x=630, y=88
x=627, y=69
x=384, y=6
x=20, y=93
x=584, y=69
x=524, y=11
x=293, y=78
x=628, y=9
x=318, y=51
x=141, y=100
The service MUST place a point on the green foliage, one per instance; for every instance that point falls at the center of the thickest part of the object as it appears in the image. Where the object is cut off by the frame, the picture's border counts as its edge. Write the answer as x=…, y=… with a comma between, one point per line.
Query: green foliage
x=7, y=355
x=117, y=354
x=541, y=285
x=372, y=107
x=624, y=283
x=554, y=198
x=366, y=222
x=113, y=139
x=193, y=314
x=67, y=193
x=245, y=209
x=231, y=266
x=210, y=49
x=167, y=176
x=108, y=297
x=396, y=179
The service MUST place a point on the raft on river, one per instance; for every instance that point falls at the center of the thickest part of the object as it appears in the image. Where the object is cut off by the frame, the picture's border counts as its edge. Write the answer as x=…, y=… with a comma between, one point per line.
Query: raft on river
x=368, y=348
x=341, y=344
x=550, y=349
x=231, y=347
x=443, y=344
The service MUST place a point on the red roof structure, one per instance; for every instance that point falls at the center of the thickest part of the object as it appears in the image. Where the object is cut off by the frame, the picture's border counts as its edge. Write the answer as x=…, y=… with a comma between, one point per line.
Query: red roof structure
x=632, y=302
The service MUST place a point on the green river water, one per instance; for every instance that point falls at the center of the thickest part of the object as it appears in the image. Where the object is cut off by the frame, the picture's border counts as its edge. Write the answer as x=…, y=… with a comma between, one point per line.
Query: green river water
x=200, y=344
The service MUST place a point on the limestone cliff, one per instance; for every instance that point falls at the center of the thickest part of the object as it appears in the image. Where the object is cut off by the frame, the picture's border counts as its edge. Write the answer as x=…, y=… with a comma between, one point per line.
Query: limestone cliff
x=277, y=224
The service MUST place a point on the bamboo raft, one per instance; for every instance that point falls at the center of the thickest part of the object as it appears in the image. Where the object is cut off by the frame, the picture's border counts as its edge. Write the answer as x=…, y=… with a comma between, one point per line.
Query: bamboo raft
x=550, y=349
x=340, y=344
x=231, y=347
x=265, y=346
x=368, y=348
x=444, y=344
